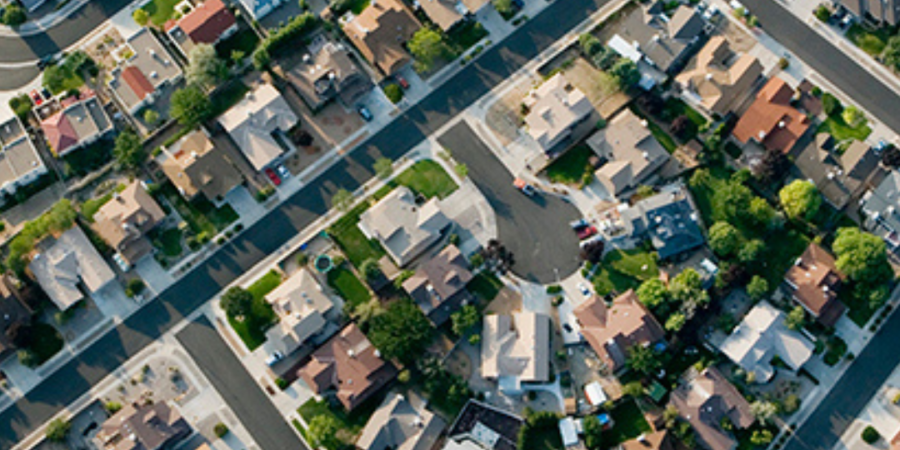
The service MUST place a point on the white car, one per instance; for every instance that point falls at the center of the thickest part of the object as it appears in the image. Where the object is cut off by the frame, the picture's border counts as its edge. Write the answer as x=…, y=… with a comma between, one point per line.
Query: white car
x=584, y=290
x=283, y=172
x=274, y=358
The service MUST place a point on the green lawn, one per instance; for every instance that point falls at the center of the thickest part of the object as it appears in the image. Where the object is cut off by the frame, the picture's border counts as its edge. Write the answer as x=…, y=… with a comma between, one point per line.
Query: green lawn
x=607, y=281
x=624, y=270
x=169, y=241
x=571, y=166
x=871, y=42
x=426, y=178
x=666, y=140
x=348, y=286
x=842, y=131
x=161, y=10
x=858, y=310
x=675, y=107
x=485, y=285
x=46, y=342
x=265, y=284
x=629, y=423
x=355, y=245
x=91, y=206
x=244, y=41
x=352, y=423
x=201, y=215
x=228, y=96
x=252, y=330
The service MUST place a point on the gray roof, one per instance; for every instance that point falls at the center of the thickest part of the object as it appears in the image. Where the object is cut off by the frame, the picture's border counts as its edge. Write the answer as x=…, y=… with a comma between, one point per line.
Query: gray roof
x=404, y=228
x=401, y=424
x=19, y=159
x=669, y=220
x=439, y=285
x=881, y=209
x=627, y=141
x=663, y=40
x=67, y=266
x=493, y=428
x=840, y=177
x=325, y=71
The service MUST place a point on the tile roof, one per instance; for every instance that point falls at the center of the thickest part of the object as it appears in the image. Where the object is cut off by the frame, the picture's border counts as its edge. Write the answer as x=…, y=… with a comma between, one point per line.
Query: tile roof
x=206, y=22
x=195, y=166
x=612, y=330
x=815, y=281
x=401, y=423
x=771, y=120
x=125, y=219
x=380, y=31
x=718, y=77
x=405, y=228
x=301, y=306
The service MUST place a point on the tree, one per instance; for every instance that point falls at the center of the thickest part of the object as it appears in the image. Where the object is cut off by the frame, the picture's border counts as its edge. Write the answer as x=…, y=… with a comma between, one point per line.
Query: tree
x=461, y=170
x=687, y=289
x=322, y=431
x=190, y=106
x=853, y=116
x=790, y=404
x=761, y=437
x=261, y=58
x=796, y=318
x=643, y=359
x=751, y=251
x=237, y=302
x=681, y=127
x=626, y=72
x=384, y=167
x=757, y=288
x=401, y=332
x=670, y=416
x=890, y=157
x=592, y=252
x=151, y=117
x=823, y=13
x=141, y=17
x=731, y=202
x=862, y=256
x=831, y=105
x=57, y=430
x=205, y=68
x=724, y=239
x=342, y=199
x=237, y=56
x=503, y=7
x=675, y=322
x=762, y=213
x=772, y=167
x=763, y=411
x=370, y=269
x=593, y=432
x=652, y=293
x=633, y=389
x=464, y=319
x=14, y=15
x=128, y=150
x=589, y=44
x=366, y=311
x=870, y=435
x=393, y=92
x=427, y=45
x=800, y=199
x=891, y=54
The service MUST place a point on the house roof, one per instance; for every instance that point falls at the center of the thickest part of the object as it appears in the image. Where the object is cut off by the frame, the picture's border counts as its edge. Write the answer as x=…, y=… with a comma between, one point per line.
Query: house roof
x=669, y=219
x=612, y=330
x=148, y=67
x=633, y=154
x=841, y=178
x=124, y=219
x=706, y=398
x=13, y=310
x=446, y=13
x=658, y=440
x=718, y=77
x=516, y=346
x=253, y=122
x=881, y=207
x=761, y=336
x=18, y=156
x=815, y=280
x=401, y=423
x=66, y=263
x=403, y=227
x=301, y=305
x=771, y=120
x=554, y=106
x=206, y=22
x=661, y=39
x=80, y=119
x=490, y=428
x=145, y=427
x=326, y=71
x=380, y=31
x=436, y=283
x=349, y=364
x=195, y=166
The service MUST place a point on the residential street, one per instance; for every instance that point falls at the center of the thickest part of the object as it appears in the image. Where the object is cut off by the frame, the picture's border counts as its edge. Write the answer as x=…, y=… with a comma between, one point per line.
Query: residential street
x=269, y=234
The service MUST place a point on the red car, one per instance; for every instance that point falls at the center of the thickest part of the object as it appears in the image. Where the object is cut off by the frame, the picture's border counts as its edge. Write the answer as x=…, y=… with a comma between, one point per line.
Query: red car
x=586, y=232
x=36, y=98
x=273, y=176
x=403, y=83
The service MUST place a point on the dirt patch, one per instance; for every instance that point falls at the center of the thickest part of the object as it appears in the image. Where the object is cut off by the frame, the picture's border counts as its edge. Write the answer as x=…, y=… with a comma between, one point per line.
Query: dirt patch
x=601, y=88
x=503, y=116
x=506, y=302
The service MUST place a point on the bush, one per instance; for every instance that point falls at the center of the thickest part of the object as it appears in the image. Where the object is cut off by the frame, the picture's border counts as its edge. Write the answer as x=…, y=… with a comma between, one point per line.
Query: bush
x=298, y=26
x=57, y=430
x=554, y=289
x=134, y=287
x=281, y=383
x=21, y=105
x=14, y=15
x=112, y=407
x=783, y=63
x=221, y=430
x=393, y=92
x=831, y=105
x=870, y=435
x=823, y=13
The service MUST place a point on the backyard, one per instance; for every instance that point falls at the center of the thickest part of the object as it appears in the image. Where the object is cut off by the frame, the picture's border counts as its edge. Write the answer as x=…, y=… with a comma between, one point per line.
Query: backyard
x=350, y=424
x=629, y=423
x=622, y=270
x=355, y=245
x=348, y=286
x=160, y=11
x=252, y=329
x=426, y=178
x=571, y=167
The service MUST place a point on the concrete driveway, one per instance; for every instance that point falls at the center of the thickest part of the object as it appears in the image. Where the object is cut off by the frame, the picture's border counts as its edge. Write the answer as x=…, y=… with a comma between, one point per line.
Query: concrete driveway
x=536, y=229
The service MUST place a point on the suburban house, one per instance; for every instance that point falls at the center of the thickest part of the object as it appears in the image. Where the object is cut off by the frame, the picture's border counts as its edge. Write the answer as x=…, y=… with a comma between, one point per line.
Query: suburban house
x=80, y=121
x=20, y=164
x=771, y=120
x=208, y=23
x=657, y=440
x=350, y=365
x=668, y=219
x=883, y=11
x=145, y=69
x=515, y=349
x=69, y=267
x=380, y=31
x=761, y=337
x=153, y=426
x=303, y=309
x=401, y=423
x=260, y=8
x=813, y=282
x=633, y=156
x=14, y=313
x=665, y=42
x=612, y=330
x=480, y=426
x=195, y=166
x=439, y=285
x=447, y=13
x=124, y=220
x=706, y=400
x=404, y=228
x=258, y=125
x=555, y=109
x=842, y=178
x=880, y=207
x=328, y=71
x=718, y=79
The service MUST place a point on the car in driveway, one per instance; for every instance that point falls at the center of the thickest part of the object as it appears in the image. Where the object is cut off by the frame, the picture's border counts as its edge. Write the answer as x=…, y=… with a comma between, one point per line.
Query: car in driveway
x=586, y=232
x=274, y=358
x=283, y=172
x=579, y=224
x=364, y=113
x=584, y=290
x=273, y=176
x=402, y=82
x=524, y=187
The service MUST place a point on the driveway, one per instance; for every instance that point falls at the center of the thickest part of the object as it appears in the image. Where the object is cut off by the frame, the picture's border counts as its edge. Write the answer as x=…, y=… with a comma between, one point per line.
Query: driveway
x=536, y=229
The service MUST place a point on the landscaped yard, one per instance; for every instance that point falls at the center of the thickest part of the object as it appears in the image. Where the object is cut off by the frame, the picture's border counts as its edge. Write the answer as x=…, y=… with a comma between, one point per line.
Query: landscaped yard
x=623, y=270
x=571, y=167
x=265, y=284
x=858, y=310
x=160, y=11
x=629, y=423
x=169, y=241
x=465, y=35
x=426, y=178
x=348, y=286
x=252, y=329
x=666, y=140
x=356, y=246
x=350, y=423
x=91, y=206
x=485, y=285
x=201, y=215
x=871, y=42
x=675, y=107
x=841, y=131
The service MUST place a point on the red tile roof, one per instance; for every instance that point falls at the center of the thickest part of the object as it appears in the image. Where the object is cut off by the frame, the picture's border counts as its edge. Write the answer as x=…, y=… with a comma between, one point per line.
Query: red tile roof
x=771, y=120
x=137, y=81
x=206, y=22
x=59, y=133
x=815, y=281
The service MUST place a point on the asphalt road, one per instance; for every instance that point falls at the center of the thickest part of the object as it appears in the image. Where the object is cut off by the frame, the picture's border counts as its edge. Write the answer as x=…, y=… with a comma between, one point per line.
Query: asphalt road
x=268, y=235
x=535, y=229
x=243, y=395
x=828, y=60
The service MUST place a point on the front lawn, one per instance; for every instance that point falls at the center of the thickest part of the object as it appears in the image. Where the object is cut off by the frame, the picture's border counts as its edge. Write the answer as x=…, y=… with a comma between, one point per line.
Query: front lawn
x=485, y=285
x=351, y=424
x=426, y=178
x=465, y=35
x=571, y=167
x=841, y=131
x=348, y=286
x=629, y=423
x=871, y=42
x=265, y=284
x=252, y=329
x=160, y=11
x=201, y=215
x=355, y=245
x=169, y=241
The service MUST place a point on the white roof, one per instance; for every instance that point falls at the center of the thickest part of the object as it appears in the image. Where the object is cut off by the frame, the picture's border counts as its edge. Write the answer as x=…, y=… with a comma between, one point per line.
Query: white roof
x=516, y=345
x=555, y=107
x=594, y=393
x=252, y=122
x=567, y=431
x=404, y=228
x=301, y=306
x=71, y=261
x=625, y=48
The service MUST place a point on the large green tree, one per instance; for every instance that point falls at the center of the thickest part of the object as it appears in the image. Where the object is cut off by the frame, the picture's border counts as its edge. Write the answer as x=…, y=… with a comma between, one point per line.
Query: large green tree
x=652, y=293
x=626, y=72
x=862, y=256
x=724, y=239
x=190, y=106
x=128, y=150
x=593, y=432
x=205, y=68
x=237, y=302
x=687, y=289
x=643, y=359
x=731, y=202
x=402, y=332
x=322, y=431
x=427, y=46
x=800, y=199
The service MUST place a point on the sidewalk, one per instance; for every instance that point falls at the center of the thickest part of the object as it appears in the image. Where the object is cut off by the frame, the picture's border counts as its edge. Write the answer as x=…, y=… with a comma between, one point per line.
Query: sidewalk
x=44, y=23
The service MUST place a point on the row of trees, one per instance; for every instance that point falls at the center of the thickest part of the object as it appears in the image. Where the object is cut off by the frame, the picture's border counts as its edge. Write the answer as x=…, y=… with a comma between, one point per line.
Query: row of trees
x=607, y=60
x=676, y=303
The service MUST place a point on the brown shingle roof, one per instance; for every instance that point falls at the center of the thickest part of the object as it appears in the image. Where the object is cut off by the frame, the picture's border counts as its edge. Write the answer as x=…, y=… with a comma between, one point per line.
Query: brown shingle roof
x=771, y=120
x=124, y=219
x=815, y=280
x=704, y=400
x=659, y=440
x=379, y=32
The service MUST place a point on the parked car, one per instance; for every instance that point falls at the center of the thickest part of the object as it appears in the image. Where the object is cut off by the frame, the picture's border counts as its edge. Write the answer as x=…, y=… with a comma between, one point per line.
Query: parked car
x=584, y=290
x=283, y=172
x=36, y=97
x=273, y=176
x=402, y=82
x=46, y=94
x=586, y=232
x=274, y=358
x=567, y=327
x=364, y=113
x=523, y=186
x=579, y=224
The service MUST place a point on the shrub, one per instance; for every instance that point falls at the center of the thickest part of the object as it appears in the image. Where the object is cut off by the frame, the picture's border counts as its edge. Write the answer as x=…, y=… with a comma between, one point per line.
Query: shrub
x=554, y=289
x=298, y=26
x=823, y=13
x=220, y=429
x=134, y=287
x=783, y=63
x=831, y=105
x=57, y=430
x=393, y=92
x=870, y=435
x=112, y=407
x=281, y=383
